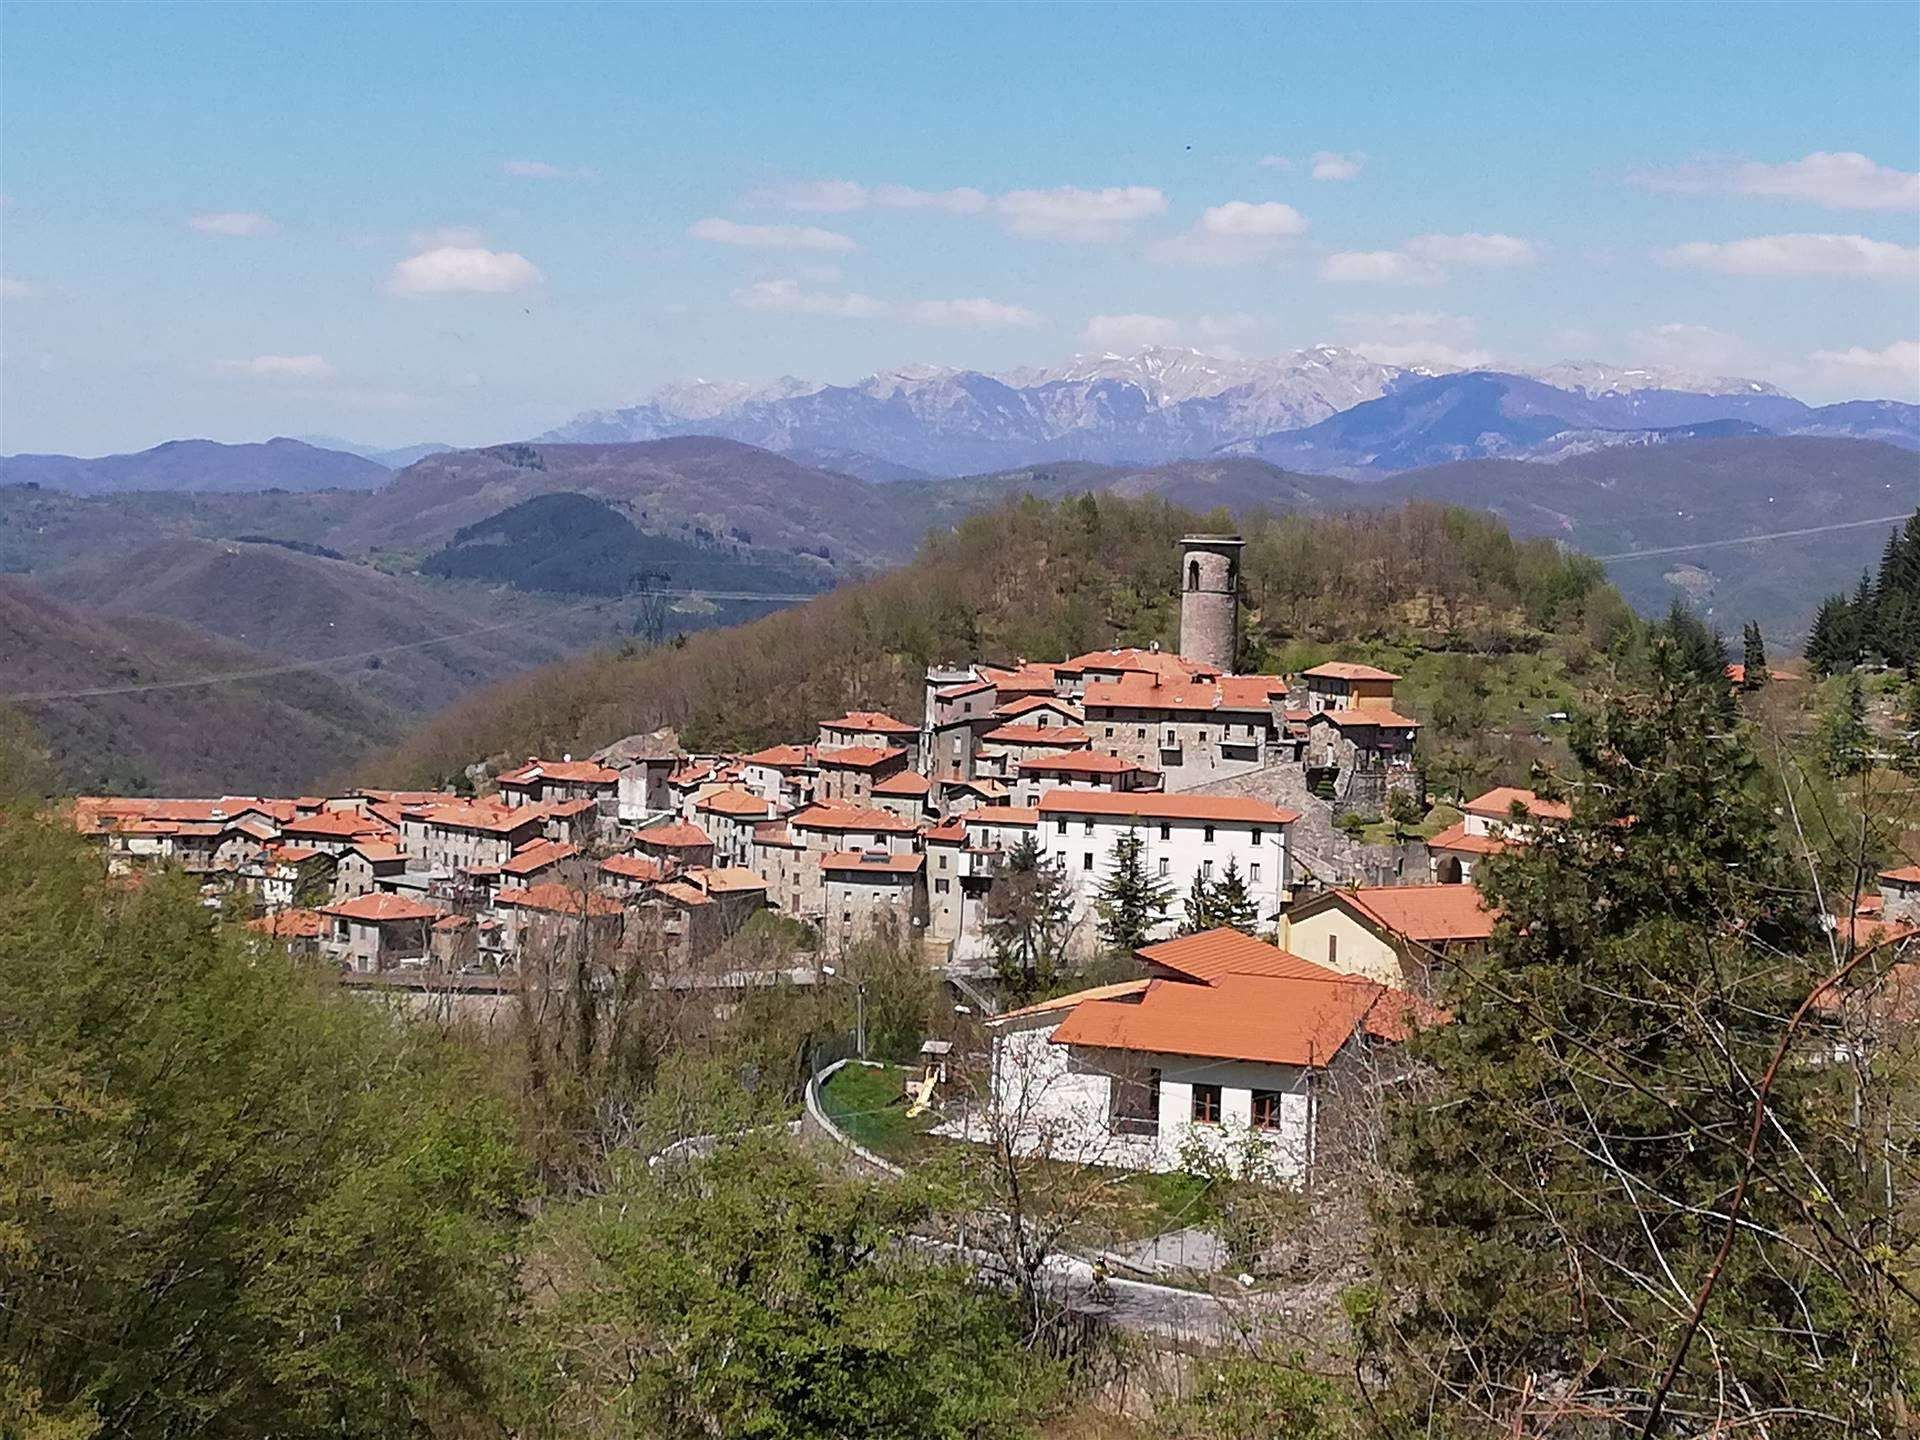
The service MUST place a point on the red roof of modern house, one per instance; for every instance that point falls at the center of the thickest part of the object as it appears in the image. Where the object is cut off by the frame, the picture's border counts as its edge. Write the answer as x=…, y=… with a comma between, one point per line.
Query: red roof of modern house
x=1456, y=837
x=1210, y=954
x=1905, y=875
x=1737, y=673
x=874, y=722
x=674, y=835
x=1348, y=670
x=1423, y=912
x=381, y=907
x=859, y=757
x=1187, y=695
x=1499, y=802
x=872, y=862
x=536, y=856
x=568, y=772
x=1149, y=805
x=478, y=815
x=1082, y=762
x=1027, y=704
x=733, y=802
x=634, y=867
x=1116, y=991
x=781, y=757
x=1065, y=737
x=553, y=898
x=831, y=815
x=290, y=925
x=1270, y=1019
x=907, y=783
x=1365, y=717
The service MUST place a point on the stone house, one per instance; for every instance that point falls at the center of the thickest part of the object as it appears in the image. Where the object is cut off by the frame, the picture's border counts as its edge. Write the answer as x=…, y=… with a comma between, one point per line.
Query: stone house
x=866, y=889
x=788, y=852
x=553, y=914
x=849, y=775
x=675, y=841
x=643, y=763
x=908, y=794
x=468, y=834
x=699, y=910
x=1371, y=749
x=1002, y=748
x=873, y=729
x=782, y=775
x=1194, y=731
x=1080, y=770
x=729, y=815
x=365, y=866
x=540, y=860
x=560, y=782
x=371, y=933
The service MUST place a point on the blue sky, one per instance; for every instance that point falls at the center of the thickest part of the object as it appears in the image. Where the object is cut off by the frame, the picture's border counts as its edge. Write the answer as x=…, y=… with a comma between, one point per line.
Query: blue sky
x=466, y=223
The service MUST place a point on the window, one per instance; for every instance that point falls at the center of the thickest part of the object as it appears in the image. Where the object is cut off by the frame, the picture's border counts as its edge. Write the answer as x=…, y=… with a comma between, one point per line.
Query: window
x=1253, y=873
x=1165, y=866
x=1109, y=732
x=1166, y=831
x=1207, y=835
x=940, y=887
x=1266, y=1109
x=1060, y=826
x=1086, y=861
x=1089, y=829
x=943, y=862
x=1193, y=574
x=1206, y=1104
x=1206, y=868
x=1253, y=837
x=1333, y=950
x=1141, y=733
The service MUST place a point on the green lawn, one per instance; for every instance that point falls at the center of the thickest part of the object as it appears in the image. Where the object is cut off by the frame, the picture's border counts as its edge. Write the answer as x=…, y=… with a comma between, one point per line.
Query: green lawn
x=870, y=1104
x=1438, y=819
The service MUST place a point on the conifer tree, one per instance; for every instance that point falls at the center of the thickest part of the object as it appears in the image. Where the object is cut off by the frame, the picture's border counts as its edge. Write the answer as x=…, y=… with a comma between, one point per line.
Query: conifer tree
x=1132, y=903
x=1565, y=1185
x=1232, y=904
x=1753, y=657
x=1846, y=745
x=1199, y=908
x=1908, y=750
x=1829, y=645
x=1029, y=917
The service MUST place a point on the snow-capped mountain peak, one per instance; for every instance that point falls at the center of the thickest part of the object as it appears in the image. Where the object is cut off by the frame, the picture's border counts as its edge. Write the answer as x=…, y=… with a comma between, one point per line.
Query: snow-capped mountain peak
x=1592, y=377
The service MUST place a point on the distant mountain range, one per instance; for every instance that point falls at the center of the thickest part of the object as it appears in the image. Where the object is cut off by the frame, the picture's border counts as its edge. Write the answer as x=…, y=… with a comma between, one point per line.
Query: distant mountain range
x=199, y=465
x=1326, y=410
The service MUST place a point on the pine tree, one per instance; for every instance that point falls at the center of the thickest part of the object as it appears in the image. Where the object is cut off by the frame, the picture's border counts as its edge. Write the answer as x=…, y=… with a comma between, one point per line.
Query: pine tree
x=1908, y=750
x=1199, y=909
x=1564, y=1183
x=1829, y=649
x=1863, y=611
x=1132, y=904
x=1846, y=745
x=1029, y=917
x=1753, y=656
x=1232, y=905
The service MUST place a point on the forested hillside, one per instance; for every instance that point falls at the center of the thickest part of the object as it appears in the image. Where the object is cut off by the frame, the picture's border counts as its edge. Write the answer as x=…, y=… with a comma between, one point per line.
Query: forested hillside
x=1033, y=579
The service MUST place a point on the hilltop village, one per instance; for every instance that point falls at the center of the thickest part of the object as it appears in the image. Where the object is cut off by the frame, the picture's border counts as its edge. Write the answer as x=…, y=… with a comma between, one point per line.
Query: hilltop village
x=1203, y=797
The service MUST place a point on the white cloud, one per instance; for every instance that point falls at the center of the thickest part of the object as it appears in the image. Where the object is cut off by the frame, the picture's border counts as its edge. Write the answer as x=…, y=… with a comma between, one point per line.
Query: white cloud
x=790, y=297
x=1472, y=249
x=962, y=200
x=541, y=170
x=829, y=197
x=1423, y=339
x=1070, y=213
x=974, y=314
x=1853, y=255
x=280, y=367
x=241, y=224
x=1378, y=267
x=1330, y=165
x=1684, y=346
x=769, y=237
x=12, y=288
x=1835, y=180
x=1893, y=372
x=1131, y=332
x=459, y=269
x=1233, y=233
x=1274, y=162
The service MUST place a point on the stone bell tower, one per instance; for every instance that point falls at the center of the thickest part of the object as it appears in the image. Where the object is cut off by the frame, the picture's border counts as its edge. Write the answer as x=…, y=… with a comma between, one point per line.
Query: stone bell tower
x=1210, y=599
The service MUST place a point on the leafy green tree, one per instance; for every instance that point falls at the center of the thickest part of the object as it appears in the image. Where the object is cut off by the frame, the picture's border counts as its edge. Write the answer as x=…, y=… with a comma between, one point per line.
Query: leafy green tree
x=1569, y=1177
x=1753, y=657
x=1231, y=904
x=756, y=1293
x=233, y=1201
x=1846, y=745
x=1029, y=919
x=1132, y=903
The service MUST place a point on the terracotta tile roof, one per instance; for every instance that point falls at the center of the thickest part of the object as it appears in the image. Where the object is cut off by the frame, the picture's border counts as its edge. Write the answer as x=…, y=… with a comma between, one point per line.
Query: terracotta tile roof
x=907, y=783
x=947, y=832
x=1424, y=912
x=381, y=906
x=990, y=789
x=334, y=825
x=478, y=815
x=1737, y=673
x=536, y=856
x=1003, y=815
x=1365, y=717
x=1455, y=837
x=860, y=757
x=781, y=757
x=292, y=854
x=406, y=797
x=1149, y=805
x=567, y=772
x=1863, y=930
x=831, y=815
x=775, y=832
x=1065, y=737
x=1027, y=704
x=1905, y=875
x=1119, y=990
x=843, y=861
x=378, y=851
x=1026, y=680
x=1347, y=670
x=733, y=802
x=682, y=893
x=724, y=879
x=645, y=868
x=552, y=898
x=259, y=827
x=1225, y=951
x=965, y=687
x=674, y=835
x=290, y=925
x=1083, y=762
x=1163, y=663
x=1270, y=1019
x=446, y=925
x=1498, y=803
x=1202, y=695
x=872, y=722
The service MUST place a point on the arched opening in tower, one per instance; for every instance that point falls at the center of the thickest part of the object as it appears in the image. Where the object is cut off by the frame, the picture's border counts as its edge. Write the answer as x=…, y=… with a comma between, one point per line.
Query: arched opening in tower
x=1193, y=574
